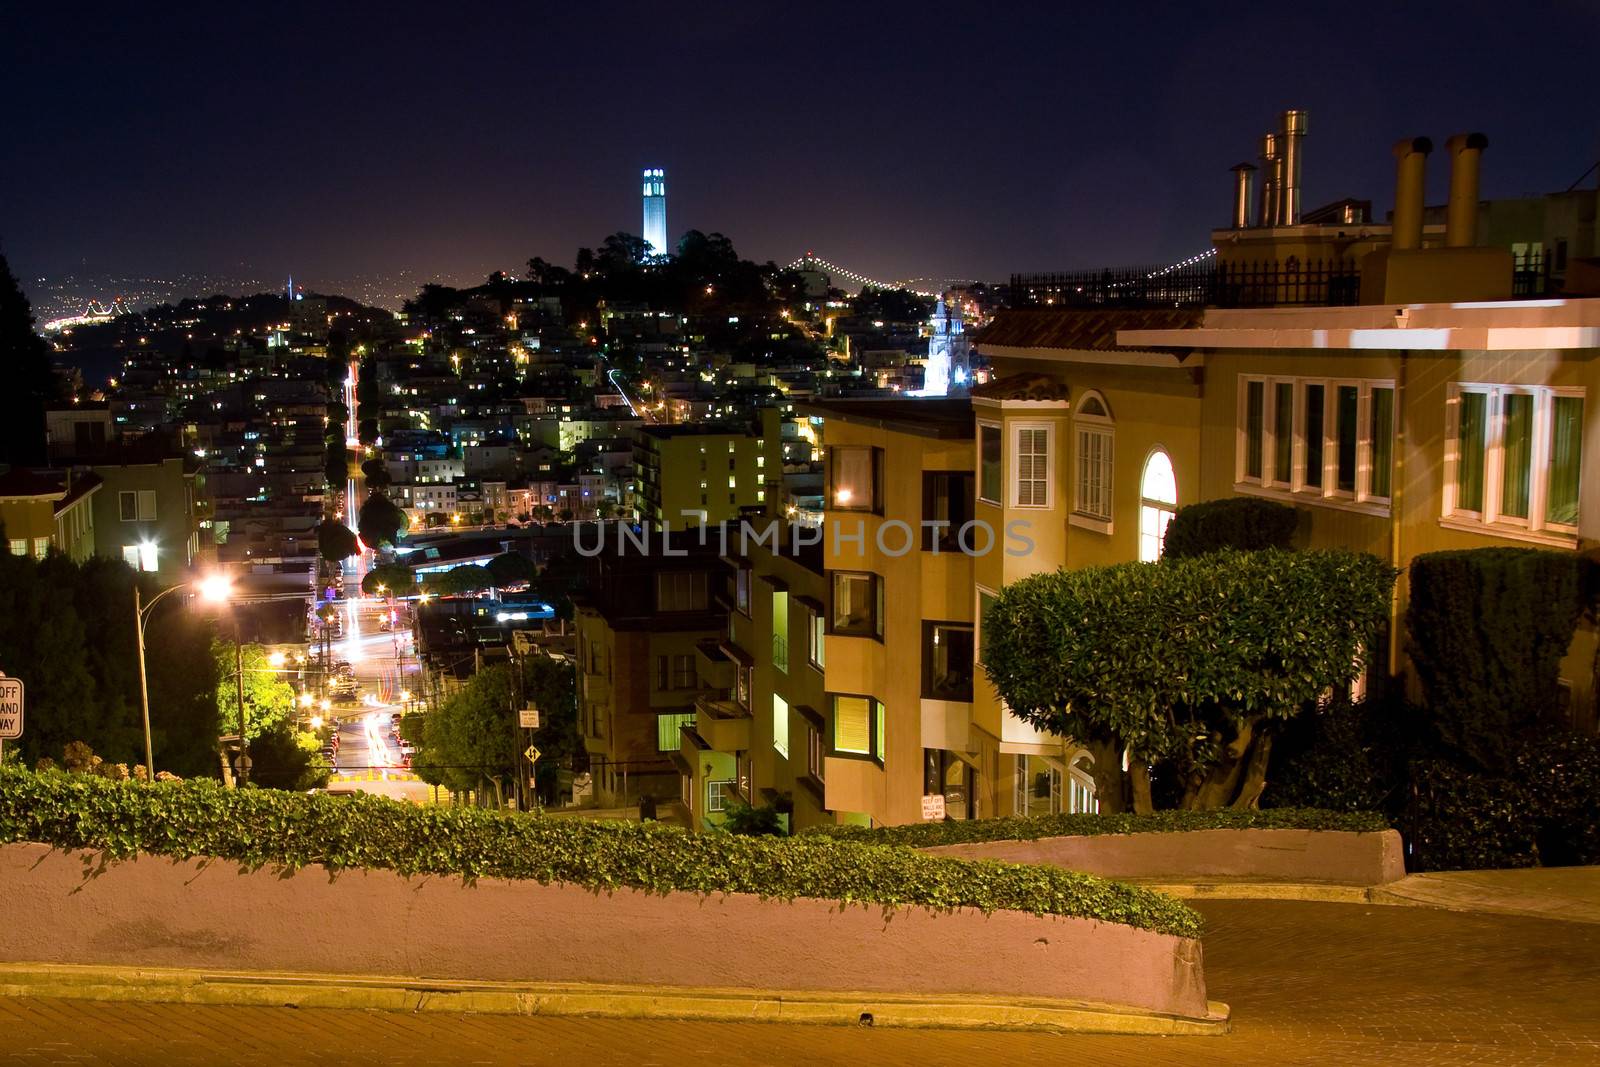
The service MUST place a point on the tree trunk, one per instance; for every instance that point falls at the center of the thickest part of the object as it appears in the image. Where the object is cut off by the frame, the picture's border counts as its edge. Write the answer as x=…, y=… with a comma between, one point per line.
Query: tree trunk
x=1108, y=777
x=1255, y=777
x=1139, y=777
x=1222, y=782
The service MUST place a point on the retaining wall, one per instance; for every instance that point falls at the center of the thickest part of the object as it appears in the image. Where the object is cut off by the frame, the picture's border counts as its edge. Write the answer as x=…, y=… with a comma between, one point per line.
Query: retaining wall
x=162, y=913
x=1337, y=856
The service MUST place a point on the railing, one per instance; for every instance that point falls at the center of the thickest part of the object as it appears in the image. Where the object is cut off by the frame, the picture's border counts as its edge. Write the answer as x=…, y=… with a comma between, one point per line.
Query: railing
x=1261, y=284
x=780, y=652
x=1269, y=283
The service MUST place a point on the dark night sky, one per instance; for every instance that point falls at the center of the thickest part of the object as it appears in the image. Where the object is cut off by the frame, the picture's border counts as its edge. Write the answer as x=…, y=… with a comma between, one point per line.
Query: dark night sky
x=968, y=140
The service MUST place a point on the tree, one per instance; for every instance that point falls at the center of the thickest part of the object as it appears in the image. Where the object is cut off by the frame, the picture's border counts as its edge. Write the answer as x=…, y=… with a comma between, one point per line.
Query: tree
x=336, y=541
x=467, y=578
x=381, y=521
x=621, y=252
x=367, y=431
x=394, y=579
x=30, y=382
x=1189, y=664
x=470, y=738
x=376, y=472
x=268, y=696
x=511, y=568
x=283, y=757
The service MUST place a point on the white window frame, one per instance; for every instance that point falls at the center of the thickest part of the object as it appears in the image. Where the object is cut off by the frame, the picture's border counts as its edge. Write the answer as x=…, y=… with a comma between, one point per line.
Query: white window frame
x=1087, y=428
x=1014, y=431
x=1535, y=527
x=1272, y=482
x=984, y=424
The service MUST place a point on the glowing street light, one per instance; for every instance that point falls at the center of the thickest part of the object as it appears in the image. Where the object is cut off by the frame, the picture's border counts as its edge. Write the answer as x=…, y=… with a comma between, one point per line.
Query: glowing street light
x=215, y=588
x=326, y=705
x=306, y=700
x=277, y=659
x=316, y=722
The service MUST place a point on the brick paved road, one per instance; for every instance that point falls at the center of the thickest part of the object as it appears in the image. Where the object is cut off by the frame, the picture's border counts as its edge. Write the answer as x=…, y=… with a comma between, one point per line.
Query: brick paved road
x=1309, y=984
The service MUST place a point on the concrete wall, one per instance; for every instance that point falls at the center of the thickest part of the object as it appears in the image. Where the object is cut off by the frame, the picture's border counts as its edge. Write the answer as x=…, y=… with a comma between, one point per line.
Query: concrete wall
x=159, y=913
x=1274, y=855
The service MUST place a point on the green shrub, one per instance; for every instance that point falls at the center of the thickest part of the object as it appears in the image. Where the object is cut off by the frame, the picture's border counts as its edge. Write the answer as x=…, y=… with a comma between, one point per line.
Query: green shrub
x=1488, y=629
x=1242, y=522
x=266, y=828
x=1544, y=810
x=957, y=832
x=1347, y=757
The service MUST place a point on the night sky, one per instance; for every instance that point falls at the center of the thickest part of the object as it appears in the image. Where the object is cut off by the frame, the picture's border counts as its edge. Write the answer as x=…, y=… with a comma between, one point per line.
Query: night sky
x=966, y=141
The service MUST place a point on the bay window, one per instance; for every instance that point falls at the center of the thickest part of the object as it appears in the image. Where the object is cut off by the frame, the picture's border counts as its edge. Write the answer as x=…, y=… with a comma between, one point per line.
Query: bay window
x=857, y=604
x=989, y=462
x=1092, y=490
x=857, y=727
x=853, y=477
x=1031, y=467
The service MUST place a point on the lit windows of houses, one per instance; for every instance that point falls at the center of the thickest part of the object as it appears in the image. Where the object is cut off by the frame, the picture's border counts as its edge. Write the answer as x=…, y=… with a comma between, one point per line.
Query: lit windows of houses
x=1513, y=459
x=1158, y=502
x=1323, y=441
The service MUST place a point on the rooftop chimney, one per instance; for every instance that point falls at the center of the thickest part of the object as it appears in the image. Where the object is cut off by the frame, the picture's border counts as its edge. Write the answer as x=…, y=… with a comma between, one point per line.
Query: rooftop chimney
x=1461, y=219
x=1412, y=156
x=1271, y=167
x=1243, y=180
x=1290, y=143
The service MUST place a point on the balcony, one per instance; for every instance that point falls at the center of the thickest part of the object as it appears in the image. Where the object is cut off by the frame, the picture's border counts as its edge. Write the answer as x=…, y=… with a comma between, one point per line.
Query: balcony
x=715, y=666
x=780, y=652
x=724, y=725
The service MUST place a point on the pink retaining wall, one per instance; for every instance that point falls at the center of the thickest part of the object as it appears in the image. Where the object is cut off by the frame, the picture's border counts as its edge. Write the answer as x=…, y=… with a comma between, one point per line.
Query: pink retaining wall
x=159, y=913
x=1335, y=856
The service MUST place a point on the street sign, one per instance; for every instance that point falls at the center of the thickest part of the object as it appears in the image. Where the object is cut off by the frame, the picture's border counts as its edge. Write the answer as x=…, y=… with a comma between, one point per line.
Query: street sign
x=532, y=754
x=933, y=806
x=10, y=708
x=528, y=718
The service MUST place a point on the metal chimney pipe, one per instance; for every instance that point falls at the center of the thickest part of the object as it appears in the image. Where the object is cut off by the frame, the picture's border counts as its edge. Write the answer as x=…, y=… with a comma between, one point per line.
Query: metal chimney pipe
x=1268, y=213
x=1290, y=147
x=1412, y=156
x=1243, y=182
x=1461, y=218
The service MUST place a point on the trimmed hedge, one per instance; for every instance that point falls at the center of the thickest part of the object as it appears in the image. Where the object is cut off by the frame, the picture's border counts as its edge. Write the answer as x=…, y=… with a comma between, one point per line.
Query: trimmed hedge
x=1488, y=630
x=927, y=834
x=265, y=828
x=1241, y=522
x=1544, y=811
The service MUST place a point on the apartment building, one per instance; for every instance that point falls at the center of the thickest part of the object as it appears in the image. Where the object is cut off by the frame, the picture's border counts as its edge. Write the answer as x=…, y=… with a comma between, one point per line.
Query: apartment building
x=649, y=603
x=707, y=473
x=48, y=511
x=146, y=512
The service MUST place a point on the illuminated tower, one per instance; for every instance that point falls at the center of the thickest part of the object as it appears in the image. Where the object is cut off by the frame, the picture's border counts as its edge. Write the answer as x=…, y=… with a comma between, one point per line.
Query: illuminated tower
x=655, y=210
x=949, y=352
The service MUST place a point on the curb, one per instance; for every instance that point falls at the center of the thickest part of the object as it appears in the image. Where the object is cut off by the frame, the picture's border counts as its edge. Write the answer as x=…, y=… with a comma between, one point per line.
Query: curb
x=1312, y=892
x=373, y=993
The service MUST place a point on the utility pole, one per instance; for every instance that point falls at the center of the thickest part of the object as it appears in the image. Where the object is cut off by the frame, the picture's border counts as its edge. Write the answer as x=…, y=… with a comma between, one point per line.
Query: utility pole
x=238, y=661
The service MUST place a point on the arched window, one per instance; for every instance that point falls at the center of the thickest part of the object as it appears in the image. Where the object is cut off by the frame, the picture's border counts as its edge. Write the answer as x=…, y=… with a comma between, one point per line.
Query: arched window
x=1092, y=488
x=1158, y=502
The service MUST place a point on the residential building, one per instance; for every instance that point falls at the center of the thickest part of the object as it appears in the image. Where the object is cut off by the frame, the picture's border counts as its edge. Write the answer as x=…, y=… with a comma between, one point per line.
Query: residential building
x=707, y=473
x=145, y=513
x=48, y=511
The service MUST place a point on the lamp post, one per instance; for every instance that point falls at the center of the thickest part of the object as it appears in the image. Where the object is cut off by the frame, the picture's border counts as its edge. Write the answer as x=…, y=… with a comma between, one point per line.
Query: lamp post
x=216, y=589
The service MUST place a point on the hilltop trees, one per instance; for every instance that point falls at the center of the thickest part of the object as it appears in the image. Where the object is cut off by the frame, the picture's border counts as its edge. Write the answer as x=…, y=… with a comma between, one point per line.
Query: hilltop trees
x=30, y=383
x=381, y=521
x=336, y=541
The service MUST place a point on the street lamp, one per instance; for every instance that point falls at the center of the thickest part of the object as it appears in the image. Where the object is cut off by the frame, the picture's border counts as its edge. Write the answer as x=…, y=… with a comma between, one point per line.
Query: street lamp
x=214, y=588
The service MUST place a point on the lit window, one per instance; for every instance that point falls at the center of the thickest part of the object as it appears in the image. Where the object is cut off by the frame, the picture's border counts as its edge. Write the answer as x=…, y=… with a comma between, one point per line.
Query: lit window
x=780, y=725
x=1323, y=440
x=1158, y=502
x=857, y=726
x=1516, y=457
x=857, y=604
x=19, y=546
x=41, y=547
x=853, y=476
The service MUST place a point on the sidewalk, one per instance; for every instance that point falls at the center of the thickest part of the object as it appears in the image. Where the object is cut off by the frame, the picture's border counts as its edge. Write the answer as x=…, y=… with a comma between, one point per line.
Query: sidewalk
x=1570, y=894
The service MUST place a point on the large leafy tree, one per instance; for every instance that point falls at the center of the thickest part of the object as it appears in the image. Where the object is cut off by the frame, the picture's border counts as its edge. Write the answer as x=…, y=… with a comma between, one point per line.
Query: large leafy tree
x=336, y=541
x=381, y=521
x=268, y=696
x=392, y=579
x=470, y=740
x=1188, y=664
x=30, y=383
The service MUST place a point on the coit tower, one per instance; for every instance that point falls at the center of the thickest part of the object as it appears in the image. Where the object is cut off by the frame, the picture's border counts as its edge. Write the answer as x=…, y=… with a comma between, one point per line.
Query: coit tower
x=655, y=210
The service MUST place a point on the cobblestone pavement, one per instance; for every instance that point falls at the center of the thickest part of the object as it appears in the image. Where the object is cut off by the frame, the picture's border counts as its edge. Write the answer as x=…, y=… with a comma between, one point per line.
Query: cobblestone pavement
x=1308, y=983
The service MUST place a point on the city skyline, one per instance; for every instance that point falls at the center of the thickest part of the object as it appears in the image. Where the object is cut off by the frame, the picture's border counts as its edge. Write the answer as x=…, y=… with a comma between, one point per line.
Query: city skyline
x=787, y=138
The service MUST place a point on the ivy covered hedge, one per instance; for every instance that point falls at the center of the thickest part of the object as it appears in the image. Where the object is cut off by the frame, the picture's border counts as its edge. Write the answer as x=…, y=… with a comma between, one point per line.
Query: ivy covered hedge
x=924, y=835
x=272, y=829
